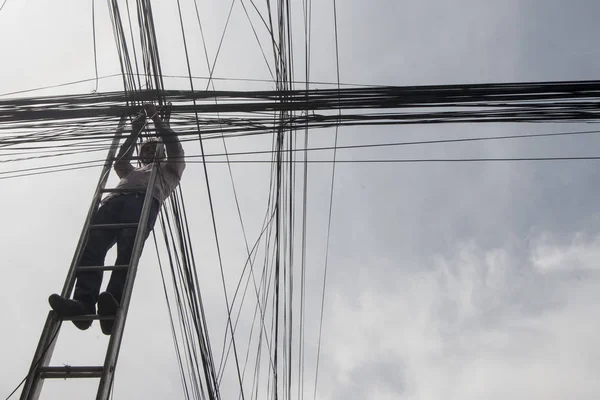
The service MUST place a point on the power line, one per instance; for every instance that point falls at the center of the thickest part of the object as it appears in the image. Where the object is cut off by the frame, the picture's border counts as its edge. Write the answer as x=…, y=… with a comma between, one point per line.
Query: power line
x=314, y=149
x=34, y=365
x=214, y=223
x=327, y=240
x=3, y=4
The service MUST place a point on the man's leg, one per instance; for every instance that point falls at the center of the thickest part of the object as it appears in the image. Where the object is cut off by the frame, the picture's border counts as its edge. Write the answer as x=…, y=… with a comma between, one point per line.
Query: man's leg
x=109, y=301
x=88, y=283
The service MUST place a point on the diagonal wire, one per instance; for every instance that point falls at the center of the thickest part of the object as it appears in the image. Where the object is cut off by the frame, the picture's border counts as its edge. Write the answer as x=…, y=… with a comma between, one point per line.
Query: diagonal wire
x=330, y=206
x=211, y=206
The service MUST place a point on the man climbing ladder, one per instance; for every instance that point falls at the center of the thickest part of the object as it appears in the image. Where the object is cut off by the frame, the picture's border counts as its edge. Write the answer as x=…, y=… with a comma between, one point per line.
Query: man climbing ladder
x=122, y=208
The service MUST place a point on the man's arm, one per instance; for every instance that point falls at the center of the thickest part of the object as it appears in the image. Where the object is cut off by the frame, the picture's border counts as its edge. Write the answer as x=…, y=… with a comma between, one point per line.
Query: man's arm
x=175, y=161
x=122, y=165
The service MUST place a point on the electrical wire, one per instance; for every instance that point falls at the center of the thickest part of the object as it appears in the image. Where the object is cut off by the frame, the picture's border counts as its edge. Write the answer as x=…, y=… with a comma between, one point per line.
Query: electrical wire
x=56, y=126
x=34, y=365
x=3, y=4
x=94, y=41
x=330, y=211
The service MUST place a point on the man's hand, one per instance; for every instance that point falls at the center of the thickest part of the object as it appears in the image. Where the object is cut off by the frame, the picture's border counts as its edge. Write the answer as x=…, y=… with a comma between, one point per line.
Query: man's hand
x=138, y=123
x=151, y=110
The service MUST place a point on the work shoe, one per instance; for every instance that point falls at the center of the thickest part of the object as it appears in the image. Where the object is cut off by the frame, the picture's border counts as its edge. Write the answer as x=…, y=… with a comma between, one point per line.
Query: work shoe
x=107, y=307
x=72, y=308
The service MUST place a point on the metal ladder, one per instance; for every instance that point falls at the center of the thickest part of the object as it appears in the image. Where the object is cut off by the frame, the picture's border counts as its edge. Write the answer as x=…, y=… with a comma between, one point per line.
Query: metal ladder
x=40, y=367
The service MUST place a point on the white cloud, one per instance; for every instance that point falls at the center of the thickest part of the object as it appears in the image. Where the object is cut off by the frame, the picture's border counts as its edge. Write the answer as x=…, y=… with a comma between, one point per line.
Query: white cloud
x=474, y=326
x=582, y=253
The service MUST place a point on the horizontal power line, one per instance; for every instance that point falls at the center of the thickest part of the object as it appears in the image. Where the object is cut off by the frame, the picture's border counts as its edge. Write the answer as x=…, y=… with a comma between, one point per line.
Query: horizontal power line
x=97, y=148
x=206, y=78
x=366, y=161
x=546, y=101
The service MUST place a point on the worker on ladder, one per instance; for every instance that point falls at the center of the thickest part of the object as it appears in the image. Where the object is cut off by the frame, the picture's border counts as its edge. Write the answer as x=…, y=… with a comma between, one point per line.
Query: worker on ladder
x=123, y=208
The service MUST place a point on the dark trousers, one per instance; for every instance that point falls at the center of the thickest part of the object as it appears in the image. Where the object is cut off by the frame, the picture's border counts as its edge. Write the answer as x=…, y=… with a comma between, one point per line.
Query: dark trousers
x=120, y=209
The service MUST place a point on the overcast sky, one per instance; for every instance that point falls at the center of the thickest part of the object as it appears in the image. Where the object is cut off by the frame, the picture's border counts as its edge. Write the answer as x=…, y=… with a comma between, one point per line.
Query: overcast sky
x=454, y=281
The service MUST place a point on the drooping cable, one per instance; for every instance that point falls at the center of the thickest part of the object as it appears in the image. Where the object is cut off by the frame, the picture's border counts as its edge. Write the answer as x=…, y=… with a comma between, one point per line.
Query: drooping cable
x=229, y=322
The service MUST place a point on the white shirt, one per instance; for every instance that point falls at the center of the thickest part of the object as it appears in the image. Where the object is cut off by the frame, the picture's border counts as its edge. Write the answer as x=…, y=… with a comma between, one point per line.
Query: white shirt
x=169, y=172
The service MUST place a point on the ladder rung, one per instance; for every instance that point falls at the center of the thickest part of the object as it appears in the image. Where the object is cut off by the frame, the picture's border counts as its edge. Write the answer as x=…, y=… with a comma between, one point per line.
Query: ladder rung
x=70, y=372
x=88, y=317
x=122, y=190
x=115, y=226
x=91, y=268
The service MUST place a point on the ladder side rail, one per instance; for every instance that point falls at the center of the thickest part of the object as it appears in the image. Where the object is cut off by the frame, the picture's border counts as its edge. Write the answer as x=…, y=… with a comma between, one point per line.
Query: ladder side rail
x=116, y=336
x=45, y=348
x=70, y=281
x=41, y=358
